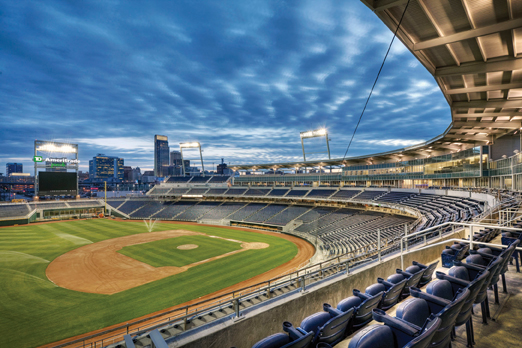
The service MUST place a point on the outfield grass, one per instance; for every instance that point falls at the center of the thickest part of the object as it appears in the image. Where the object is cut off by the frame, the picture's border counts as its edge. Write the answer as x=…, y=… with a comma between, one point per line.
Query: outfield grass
x=34, y=311
x=166, y=253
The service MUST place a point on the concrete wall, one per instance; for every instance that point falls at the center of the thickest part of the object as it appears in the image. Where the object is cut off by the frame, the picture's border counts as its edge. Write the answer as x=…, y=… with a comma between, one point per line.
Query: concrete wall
x=268, y=319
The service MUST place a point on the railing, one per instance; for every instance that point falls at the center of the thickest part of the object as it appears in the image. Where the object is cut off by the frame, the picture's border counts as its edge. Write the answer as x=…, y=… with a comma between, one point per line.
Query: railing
x=424, y=234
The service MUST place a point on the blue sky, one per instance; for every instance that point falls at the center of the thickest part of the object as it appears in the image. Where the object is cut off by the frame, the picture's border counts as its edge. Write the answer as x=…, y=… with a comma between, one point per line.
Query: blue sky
x=241, y=77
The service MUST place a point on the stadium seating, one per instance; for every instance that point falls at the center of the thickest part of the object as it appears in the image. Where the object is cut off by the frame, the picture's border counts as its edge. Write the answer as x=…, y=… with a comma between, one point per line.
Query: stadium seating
x=287, y=215
x=362, y=306
x=412, y=314
x=13, y=210
x=194, y=212
x=324, y=193
x=278, y=192
x=346, y=194
x=390, y=292
x=385, y=336
x=329, y=326
x=246, y=211
x=179, y=179
x=294, y=339
x=447, y=286
x=199, y=179
x=257, y=192
x=218, y=179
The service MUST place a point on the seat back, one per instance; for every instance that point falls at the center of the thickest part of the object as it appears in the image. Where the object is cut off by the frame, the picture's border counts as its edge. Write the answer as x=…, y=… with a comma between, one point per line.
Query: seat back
x=363, y=313
x=294, y=339
x=462, y=252
x=333, y=331
x=373, y=336
x=391, y=296
x=425, y=338
x=474, y=289
x=412, y=281
x=448, y=316
x=428, y=273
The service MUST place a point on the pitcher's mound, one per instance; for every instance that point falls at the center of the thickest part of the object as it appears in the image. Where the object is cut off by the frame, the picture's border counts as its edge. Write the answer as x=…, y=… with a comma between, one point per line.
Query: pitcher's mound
x=187, y=246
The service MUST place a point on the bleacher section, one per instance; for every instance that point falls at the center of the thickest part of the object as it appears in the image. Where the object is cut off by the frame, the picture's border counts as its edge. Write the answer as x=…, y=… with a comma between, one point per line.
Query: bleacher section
x=369, y=195
x=246, y=211
x=179, y=179
x=278, y=192
x=199, y=179
x=287, y=215
x=265, y=214
x=13, y=210
x=346, y=194
x=297, y=193
x=84, y=204
x=257, y=192
x=320, y=193
x=160, y=190
x=197, y=210
x=216, y=192
x=130, y=206
x=218, y=179
x=236, y=191
x=171, y=210
x=222, y=211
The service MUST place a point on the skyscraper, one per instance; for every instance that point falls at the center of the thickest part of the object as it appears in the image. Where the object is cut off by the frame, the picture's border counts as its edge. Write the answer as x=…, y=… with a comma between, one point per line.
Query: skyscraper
x=106, y=168
x=161, y=155
x=13, y=168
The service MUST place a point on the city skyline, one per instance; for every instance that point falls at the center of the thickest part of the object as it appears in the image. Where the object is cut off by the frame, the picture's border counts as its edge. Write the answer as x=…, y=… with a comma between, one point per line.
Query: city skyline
x=242, y=79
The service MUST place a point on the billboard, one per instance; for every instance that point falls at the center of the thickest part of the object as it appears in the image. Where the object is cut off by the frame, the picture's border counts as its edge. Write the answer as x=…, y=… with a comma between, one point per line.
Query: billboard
x=57, y=184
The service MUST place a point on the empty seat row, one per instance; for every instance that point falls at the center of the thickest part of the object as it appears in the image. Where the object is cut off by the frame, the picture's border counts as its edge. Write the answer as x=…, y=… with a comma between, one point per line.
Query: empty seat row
x=332, y=325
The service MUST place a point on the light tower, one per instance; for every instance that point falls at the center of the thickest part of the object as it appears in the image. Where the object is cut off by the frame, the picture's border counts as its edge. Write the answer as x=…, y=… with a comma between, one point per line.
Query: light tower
x=318, y=133
x=192, y=145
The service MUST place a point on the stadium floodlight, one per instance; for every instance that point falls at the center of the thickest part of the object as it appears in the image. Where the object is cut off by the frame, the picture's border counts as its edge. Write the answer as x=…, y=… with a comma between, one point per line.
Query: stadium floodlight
x=52, y=147
x=318, y=133
x=191, y=145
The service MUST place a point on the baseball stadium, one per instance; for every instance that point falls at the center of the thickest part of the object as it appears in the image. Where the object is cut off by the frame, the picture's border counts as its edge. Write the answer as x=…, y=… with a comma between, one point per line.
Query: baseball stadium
x=415, y=247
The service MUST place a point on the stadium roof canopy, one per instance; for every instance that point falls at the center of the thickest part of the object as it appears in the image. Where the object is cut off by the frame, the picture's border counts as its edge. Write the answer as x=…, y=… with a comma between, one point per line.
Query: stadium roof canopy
x=473, y=48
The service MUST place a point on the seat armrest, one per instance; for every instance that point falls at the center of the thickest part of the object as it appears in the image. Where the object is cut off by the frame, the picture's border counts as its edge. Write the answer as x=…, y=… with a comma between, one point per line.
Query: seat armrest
x=473, y=266
x=386, y=283
x=454, y=280
x=439, y=301
x=395, y=323
x=415, y=263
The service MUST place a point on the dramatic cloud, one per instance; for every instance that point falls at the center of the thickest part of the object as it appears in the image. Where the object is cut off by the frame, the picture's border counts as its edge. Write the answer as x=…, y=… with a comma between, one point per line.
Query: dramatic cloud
x=241, y=77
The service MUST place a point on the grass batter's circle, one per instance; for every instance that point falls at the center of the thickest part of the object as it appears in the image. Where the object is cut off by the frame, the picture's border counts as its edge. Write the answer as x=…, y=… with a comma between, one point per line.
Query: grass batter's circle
x=187, y=246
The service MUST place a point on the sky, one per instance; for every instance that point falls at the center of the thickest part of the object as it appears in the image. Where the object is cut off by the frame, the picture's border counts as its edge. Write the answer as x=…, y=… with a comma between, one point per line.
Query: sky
x=242, y=77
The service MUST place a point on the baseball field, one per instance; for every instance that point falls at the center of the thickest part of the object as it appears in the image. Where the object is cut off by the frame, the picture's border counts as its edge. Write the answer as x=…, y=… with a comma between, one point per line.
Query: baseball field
x=59, y=280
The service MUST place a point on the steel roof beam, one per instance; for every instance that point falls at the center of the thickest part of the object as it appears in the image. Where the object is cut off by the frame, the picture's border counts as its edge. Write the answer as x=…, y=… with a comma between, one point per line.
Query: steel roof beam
x=505, y=64
x=469, y=34
x=484, y=88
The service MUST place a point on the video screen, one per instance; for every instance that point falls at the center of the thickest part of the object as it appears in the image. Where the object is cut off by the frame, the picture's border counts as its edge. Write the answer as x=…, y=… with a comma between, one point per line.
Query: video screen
x=57, y=184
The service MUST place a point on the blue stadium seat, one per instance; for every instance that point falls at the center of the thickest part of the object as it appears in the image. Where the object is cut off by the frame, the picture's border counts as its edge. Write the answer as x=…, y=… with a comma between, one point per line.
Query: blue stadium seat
x=413, y=313
x=294, y=339
x=329, y=326
x=363, y=305
x=384, y=336
x=391, y=292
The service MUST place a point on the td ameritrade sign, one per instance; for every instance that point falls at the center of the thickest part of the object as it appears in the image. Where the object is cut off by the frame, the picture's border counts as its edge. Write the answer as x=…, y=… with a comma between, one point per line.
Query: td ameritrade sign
x=55, y=160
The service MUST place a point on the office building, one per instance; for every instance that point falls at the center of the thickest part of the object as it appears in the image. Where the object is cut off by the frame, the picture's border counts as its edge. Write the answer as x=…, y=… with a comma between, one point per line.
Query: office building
x=11, y=168
x=161, y=155
x=106, y=168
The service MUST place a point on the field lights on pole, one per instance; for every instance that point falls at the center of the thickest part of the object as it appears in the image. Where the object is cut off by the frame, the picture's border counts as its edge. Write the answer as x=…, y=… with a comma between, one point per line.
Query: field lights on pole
x=318, y=133
x=49, y=147
x=191, y=145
